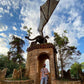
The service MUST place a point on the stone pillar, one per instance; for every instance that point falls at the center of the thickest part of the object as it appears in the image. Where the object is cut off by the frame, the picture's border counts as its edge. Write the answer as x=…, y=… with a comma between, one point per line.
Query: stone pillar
x=52, y=69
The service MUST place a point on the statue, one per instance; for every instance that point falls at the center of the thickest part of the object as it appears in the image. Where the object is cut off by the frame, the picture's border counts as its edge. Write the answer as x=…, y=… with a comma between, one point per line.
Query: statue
x=46, y=11
x=40, y=39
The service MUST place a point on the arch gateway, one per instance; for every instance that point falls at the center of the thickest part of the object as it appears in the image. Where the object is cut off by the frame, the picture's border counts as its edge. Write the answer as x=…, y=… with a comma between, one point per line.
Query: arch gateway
x=37, y=54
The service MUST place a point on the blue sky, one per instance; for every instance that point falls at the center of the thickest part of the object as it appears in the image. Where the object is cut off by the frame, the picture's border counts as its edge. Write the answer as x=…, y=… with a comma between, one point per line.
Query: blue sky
x=68, y=15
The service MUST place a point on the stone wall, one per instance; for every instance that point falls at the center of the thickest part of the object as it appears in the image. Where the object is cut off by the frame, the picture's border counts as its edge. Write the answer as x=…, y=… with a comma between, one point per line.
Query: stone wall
x=17, y=82
x=31, y=82
x=68, y=82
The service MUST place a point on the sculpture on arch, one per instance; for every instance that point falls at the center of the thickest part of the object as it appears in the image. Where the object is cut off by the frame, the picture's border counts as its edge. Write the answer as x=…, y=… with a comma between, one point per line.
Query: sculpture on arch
x=40, y=39
x=46, y=11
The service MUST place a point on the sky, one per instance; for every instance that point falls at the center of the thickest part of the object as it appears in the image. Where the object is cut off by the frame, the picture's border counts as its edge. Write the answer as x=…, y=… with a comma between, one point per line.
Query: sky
x=15, y=14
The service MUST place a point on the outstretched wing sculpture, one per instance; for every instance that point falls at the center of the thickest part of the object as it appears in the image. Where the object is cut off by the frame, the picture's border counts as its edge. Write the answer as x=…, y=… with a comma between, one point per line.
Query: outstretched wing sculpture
x=46, y=11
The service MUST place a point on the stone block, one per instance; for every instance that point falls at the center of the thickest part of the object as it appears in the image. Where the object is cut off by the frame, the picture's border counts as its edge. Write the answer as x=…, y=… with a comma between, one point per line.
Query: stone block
x=16, y=74
x=3, y=74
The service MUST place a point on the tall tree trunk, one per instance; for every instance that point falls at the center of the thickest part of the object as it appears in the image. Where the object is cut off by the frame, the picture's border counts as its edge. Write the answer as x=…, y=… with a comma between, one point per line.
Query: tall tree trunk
x=56, y=66
x=61, y=60
x=61, y=66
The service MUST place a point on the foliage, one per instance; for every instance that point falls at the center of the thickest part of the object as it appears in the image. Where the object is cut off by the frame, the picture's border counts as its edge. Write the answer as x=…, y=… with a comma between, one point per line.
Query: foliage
x=82, y=65
x=9, y=64
x=28, y=31
x=60, y=41
x=75, y=69
x=65, y=52
x=15, y=52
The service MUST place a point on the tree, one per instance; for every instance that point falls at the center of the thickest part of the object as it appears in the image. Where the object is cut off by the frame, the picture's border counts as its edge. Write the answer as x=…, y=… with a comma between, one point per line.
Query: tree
x=65, y=52
x=75, y=69
x=9, y=64
x=28, y=31
x=82, y=65
x=15, y=52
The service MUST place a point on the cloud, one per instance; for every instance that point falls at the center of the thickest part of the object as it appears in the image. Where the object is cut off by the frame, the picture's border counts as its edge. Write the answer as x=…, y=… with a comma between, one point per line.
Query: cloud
x=14, y=28
x=30, y=14
x=6, y=4
x=9, y=3
x=3, y=46
x=1, y=10
x=59, y=22
x=25, y=55
x=2, y=34
x=66, y=16
x=43, y=0
x=65, y=5
x=4, y=43
x=14, y=4
x=51, y=40
x=18, y=36
x=10, y=36
x=3, y=28
x=81, y=58
x=11, y=14
x=1, y=16
x=3, y=50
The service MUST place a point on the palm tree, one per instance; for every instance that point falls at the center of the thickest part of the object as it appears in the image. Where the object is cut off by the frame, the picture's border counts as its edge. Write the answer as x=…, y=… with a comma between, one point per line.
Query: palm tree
x=15, y=52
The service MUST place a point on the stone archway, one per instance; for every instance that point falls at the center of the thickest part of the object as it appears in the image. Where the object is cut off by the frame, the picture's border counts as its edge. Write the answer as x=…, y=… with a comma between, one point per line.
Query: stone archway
x=36, y=56
x=41, y=60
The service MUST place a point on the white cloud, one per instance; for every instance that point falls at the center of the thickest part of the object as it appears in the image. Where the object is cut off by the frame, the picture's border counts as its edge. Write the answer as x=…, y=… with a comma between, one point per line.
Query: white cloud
x=43, y=0
x=6, y=11
x=77, y=22
x=14, y=28
x=3, y=50
x=7, y=5
x=10, y=36
x=4, y=43
x=2, y=34
x=31, y=13
x=1, y=10
x=65, y=5
x=72, y=24
x=10, y=3
x=15, y=5
x=3, y=46
x=81, y=58
x=51, y=40
x=18, y=36
x=1, y=16
x=5, y=2
x=56, y=23
x=25, y=55
x=3, y=28
x=11, y=14
x=65, y=17
x=73, y=13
